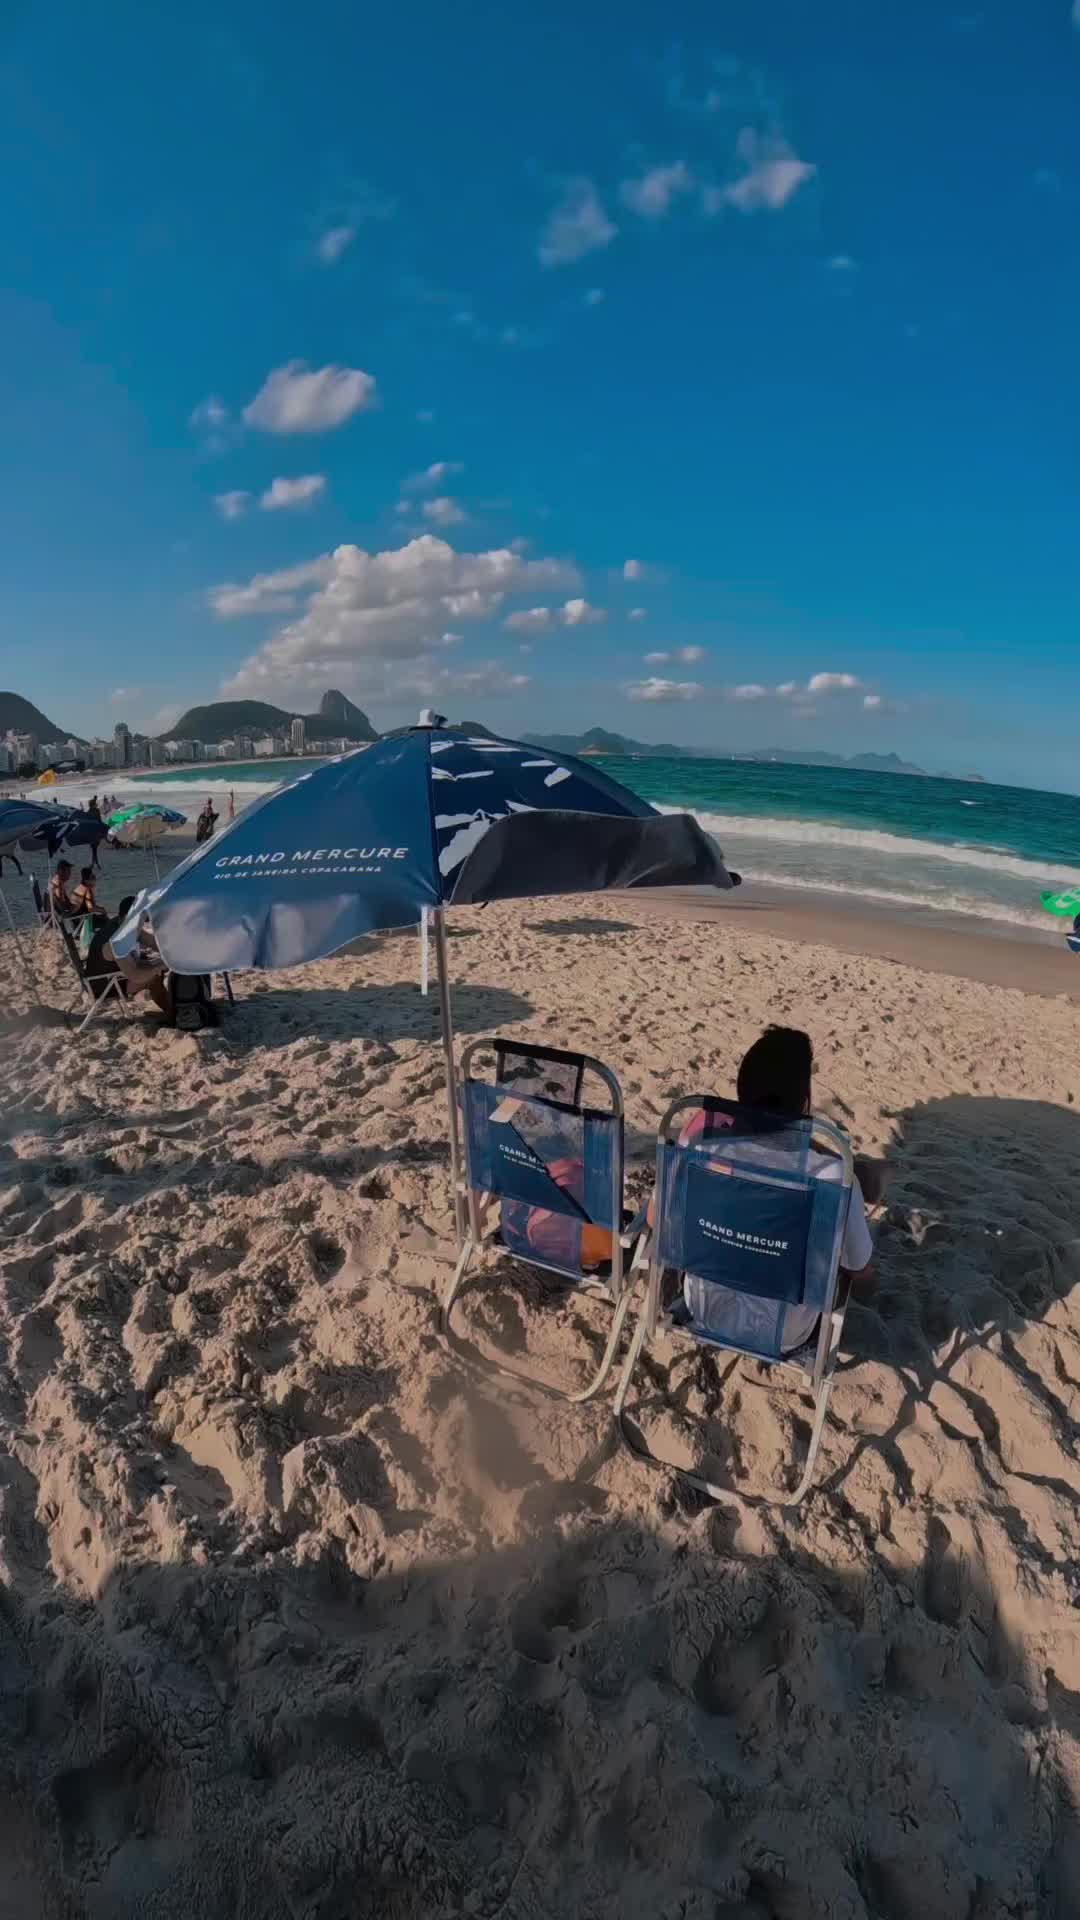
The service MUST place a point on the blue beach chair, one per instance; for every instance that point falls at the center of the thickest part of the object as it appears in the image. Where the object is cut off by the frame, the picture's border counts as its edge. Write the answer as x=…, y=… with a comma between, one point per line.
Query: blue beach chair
x=544, y=1173
x=750, y=1219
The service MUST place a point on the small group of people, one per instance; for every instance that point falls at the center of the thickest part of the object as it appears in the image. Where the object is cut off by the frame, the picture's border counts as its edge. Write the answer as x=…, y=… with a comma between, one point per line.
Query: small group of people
x=81, y=900
x=141, y=972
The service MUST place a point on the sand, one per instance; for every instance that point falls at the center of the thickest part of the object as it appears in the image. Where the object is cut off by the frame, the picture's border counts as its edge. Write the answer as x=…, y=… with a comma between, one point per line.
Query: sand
x=301, y=1615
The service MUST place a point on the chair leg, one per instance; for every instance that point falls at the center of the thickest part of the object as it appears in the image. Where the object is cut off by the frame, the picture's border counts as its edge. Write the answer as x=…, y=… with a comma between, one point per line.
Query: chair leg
x=818, y=1429
x=618, y=1322
x=456, y=1283
x=466, y=1350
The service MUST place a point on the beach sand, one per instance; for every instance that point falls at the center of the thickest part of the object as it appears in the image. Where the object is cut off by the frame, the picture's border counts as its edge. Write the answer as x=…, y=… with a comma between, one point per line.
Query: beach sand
x=303, y=1615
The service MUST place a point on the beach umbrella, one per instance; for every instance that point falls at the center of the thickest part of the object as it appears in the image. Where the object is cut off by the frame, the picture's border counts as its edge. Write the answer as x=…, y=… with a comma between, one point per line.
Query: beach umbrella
x=24, y=824
x=427, y=818
x=143, y=825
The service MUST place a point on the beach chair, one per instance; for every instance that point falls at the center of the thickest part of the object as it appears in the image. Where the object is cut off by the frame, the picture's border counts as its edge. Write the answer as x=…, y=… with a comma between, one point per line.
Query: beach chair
x=749, y=1223
x=544, y=1173
x=98, y=988
x=45, y=922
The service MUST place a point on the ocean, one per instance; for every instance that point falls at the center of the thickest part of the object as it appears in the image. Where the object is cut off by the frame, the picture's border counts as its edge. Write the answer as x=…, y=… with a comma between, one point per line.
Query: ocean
x=905, y=844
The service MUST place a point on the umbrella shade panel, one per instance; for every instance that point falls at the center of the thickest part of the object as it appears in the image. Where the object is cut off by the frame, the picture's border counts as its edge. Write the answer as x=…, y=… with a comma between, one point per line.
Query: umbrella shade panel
x=366, y=841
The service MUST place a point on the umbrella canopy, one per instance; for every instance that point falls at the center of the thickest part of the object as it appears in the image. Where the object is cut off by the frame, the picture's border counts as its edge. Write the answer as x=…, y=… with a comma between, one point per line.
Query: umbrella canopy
x=22, y=820
x=144, y=824
x=425, y=818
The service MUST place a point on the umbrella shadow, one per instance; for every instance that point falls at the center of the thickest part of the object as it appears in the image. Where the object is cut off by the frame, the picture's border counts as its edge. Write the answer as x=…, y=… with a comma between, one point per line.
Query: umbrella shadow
x=582, y=925
x=275, y=1016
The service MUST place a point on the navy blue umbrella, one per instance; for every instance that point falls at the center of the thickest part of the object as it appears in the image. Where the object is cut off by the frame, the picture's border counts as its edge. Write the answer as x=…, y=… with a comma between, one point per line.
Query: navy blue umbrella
x=21, y=821
x=423, y=819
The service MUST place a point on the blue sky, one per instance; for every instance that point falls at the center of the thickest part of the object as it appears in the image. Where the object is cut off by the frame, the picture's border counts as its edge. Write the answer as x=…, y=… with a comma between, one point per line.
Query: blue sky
x=332, y=344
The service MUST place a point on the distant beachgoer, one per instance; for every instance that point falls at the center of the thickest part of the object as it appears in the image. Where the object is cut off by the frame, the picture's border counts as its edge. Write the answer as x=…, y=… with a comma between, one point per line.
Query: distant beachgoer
x=205, y=824
x=84, y=898
x=232, y=804
x=92, y=808
x=62, y=903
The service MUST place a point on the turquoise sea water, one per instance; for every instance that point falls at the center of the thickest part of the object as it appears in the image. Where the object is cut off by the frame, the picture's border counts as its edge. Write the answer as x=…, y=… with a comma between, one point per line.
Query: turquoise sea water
x=959, y=846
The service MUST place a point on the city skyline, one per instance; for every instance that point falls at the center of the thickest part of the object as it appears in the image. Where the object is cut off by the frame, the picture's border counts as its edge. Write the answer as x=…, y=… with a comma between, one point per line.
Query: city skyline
x=733, y=400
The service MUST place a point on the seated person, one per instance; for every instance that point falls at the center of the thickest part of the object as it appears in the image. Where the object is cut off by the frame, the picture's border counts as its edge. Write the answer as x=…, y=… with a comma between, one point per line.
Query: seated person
x=62, y=904
x=84, y=898
x=775, y=1077
x=139, y=973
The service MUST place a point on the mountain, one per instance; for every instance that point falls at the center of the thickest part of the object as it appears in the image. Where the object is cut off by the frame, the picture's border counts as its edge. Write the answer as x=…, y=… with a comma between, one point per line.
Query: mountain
x=598, y=740
x=336, y=719
x=21, y=716
x=860, y=762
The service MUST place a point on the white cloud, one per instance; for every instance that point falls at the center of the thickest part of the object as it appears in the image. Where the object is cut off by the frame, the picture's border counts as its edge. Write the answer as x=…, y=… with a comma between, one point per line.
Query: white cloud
x=297, y=398
x=334, y=243
x=576, y=226
x=873, y=701
x=573, y=613
x=750, y=690
x=637, y=613
x=367, y=608
x=633, y=570
x=530, y=620
x=772, y=174
x=578, y=613
x=652, y=194
x=663, y=690
x=268, y=592
x=833, y=683
x=232, y=506
x=787, y=688
x=300, y=492
x=658, y=659
x=593, y=297
x=691, y=655
x=434, y=475
x=165, y=718
x=443, y=512
x=843, y=262
x=123, y=696
x=425, y=416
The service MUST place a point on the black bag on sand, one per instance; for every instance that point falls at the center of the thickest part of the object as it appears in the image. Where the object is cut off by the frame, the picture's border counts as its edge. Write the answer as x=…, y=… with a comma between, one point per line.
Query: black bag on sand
x=191, y=1007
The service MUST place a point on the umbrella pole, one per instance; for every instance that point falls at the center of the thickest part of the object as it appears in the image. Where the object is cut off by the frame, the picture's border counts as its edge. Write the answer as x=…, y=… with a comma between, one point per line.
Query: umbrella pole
x=21, y=951
x=447, y=1022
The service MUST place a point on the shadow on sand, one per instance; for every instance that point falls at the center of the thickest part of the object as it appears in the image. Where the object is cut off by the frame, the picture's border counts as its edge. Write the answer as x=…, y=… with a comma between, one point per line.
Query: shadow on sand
x=602, y=1721
x=274, y=1016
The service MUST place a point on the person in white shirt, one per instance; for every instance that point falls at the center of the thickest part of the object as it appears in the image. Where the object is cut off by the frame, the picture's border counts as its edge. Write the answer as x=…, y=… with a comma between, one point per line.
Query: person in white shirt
x=776, y=1077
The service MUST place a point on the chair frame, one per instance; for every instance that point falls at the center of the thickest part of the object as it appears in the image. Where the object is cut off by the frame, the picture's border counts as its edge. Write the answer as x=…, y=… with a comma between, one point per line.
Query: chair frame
x=114, y=982
x=480, y=1230
x=827, y=1345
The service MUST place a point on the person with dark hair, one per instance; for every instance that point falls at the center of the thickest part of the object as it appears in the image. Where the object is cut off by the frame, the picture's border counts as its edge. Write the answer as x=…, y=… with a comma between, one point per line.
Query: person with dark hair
x=776, y=1076
x=84, y=898
x=775, y=1079
x=141, y=972
x=60, y=900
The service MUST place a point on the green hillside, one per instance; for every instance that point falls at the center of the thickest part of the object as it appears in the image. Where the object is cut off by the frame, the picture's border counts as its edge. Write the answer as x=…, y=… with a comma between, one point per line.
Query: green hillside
x=337, y=718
